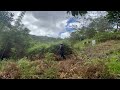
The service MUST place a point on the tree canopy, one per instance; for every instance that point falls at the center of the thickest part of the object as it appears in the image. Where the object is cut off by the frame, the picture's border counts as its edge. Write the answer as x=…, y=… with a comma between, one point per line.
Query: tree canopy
x=112, y=16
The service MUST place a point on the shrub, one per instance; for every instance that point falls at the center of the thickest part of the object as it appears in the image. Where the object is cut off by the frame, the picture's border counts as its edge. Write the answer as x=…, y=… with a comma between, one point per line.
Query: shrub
x=50, y=60
x=50, y=73
x=10, y=71
x=82, y=44
x=49, y=56
x=37, y=51
x=54, y=49
x=95, y=69
x=114, y=64
x=27, y=70
x=102, y=37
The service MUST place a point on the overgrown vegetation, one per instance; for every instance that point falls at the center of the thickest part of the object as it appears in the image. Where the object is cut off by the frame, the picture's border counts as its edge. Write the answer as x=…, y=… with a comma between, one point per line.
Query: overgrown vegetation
x=25, y=56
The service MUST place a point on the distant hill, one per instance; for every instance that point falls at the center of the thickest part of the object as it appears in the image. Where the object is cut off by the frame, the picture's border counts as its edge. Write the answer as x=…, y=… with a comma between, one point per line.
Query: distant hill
x=45, y=38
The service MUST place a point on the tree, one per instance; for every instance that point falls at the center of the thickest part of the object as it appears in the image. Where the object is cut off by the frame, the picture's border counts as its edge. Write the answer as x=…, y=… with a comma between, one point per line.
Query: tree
x=20, y=37
x=78, y=35
x=76, y=13
x=19, y=19
x=90, y=32
x=100, y=24
x=114, y=17
x=6, y=18
x=97, y=25
x=5, y=21
x=14, y=40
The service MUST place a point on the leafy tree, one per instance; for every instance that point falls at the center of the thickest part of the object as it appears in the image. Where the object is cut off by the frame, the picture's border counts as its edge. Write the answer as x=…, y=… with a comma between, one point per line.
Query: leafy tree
x=77, y=35
x=19, y=19
x=20, y=38
x=76, y=13
x=14, y=40
x=101, y=24
x=5, y=24
x=5, y=18
x=114, y=17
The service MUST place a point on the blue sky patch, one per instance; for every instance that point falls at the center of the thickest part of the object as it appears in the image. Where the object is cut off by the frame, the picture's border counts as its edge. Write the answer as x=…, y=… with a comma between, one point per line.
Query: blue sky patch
x=70, y=20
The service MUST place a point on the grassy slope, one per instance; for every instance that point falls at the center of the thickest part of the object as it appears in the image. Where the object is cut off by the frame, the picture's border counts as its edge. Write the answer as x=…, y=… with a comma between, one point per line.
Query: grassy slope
x=102, y=50
x=87, y=65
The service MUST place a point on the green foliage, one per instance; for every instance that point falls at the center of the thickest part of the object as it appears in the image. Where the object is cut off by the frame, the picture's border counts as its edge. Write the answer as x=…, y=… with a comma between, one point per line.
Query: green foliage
x=114, y=62
x=102, y=37
x=97, y=25
x=114, y=65
x=100, y=24
x=38, y=49
x=49, y=59
x=27, y=70
x=80, y=45
x=30, y=70
x=96, y=69
x=49, y=56
x=50, y=73
x=90, y=32
x=77, y=36
x=55, y=49
x=113, y=17
x=45, y=39
x=14, y=41
x=6, y=18
x=18, y=21
x=76, y=13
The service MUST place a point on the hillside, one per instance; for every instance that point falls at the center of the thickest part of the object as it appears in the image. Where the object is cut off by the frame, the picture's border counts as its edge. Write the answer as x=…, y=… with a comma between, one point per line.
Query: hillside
x=26, y=56
x=102, y=50
x=100, y=61
x=44, y=39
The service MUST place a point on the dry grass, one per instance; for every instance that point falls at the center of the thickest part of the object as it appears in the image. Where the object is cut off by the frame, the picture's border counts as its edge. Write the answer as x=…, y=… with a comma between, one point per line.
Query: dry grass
x=73, y=67
x=10, y=71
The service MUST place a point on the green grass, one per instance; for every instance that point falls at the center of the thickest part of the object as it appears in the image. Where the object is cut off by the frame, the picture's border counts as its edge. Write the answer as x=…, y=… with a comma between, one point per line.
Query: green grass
x=91, y=65
x=79, y=45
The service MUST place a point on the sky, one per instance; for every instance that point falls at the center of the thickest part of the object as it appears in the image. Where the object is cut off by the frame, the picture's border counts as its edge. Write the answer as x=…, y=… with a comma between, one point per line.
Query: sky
x=54, y=23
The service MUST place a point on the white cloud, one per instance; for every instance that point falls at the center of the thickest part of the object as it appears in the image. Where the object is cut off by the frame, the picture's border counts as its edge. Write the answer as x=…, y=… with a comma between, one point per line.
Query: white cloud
x=45, y=23
x=50, y=23
x=65, y=35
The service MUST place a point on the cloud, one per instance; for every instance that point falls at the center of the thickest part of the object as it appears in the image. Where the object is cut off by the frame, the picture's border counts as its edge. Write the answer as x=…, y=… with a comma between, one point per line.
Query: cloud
x=65, y=35
x=53, y=23
x=45, y=23
x=74, y=23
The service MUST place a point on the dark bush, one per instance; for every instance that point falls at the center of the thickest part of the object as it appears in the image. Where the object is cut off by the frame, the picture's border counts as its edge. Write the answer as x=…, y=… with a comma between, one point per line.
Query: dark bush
x=39, y=51
x=55, y=49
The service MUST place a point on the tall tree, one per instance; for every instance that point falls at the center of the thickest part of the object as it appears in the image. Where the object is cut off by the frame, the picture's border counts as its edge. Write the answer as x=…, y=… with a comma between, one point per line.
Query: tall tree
x=100, y=24
x=19, y=19
x=14, y=41
x=5, y=19
x=114, y=18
